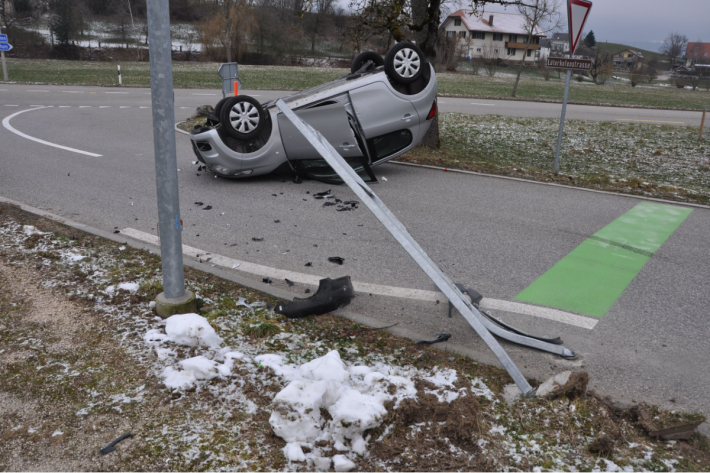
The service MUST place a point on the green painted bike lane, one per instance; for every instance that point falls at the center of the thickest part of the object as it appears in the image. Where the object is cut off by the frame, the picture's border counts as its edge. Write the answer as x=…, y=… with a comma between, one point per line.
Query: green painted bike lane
x=593, y=276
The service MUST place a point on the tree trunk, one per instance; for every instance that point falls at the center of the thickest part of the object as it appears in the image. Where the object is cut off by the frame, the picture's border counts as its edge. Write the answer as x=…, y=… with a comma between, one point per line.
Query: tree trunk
x=522, y=63
x=427, y=14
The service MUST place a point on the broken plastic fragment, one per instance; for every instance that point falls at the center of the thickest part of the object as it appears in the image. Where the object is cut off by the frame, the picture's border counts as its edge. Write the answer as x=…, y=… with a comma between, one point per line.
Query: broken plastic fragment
x=331, y=295
x=322, y=194
x=277, y=221
x=199, y=203
x=267, y=280
x=112, y=446
x=257, y=239
x=352, y=203
x=328, y=204
x=336, y=260
x=440, y=337
x=289, y=282
x=209, y=207
x=309, y=264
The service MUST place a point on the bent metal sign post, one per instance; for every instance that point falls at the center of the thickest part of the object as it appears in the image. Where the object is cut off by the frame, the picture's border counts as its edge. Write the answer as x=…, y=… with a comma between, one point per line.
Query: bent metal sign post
x=577, y=14
x=573, y=64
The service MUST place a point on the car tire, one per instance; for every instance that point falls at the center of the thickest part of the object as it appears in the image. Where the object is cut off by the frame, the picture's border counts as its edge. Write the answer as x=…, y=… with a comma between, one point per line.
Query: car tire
x=242, y=117
x=404, y=63
x=218, y=107
x=363, y=57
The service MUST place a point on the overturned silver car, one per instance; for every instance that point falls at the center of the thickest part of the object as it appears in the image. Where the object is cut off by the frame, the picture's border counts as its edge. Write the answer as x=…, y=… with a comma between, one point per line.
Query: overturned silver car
x=380, y=110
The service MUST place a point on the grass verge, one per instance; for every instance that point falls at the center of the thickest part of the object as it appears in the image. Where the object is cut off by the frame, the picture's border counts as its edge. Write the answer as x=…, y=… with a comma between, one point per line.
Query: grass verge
x=78, y=371
x=204, y=75
x=657, y=161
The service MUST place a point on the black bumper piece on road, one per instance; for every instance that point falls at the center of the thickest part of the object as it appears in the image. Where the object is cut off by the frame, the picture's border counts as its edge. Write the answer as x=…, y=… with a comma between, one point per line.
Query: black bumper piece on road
x=332, y=294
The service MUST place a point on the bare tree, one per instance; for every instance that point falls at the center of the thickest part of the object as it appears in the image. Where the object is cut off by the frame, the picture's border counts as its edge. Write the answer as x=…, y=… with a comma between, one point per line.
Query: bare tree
x=674, y=46
x=228, y=25
x=537, y=13
x=600, y=62
x=491, y=59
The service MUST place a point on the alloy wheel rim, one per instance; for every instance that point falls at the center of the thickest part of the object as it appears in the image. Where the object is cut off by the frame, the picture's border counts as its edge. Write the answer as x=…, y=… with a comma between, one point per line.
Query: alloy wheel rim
x=244, y=117
x=406, y=62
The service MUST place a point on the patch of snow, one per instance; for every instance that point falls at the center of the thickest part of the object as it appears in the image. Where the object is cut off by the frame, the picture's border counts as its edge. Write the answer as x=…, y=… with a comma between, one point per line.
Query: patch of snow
x=175, y=379
x=129, y=286
x=31, y=430
x=292, y=451
x=57, y=432
x=191, y=330
x=30, y=230
x=200, y=367
x=342, y=463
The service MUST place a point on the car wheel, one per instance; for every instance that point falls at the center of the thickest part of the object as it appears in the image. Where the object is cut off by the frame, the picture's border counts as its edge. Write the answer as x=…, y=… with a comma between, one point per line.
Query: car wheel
x=242, y=117
x=404, y=63
x=363, y=57
x=218, y=107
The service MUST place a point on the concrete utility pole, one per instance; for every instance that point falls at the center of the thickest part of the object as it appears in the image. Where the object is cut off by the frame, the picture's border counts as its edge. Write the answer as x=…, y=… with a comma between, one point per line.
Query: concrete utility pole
x=174, y=299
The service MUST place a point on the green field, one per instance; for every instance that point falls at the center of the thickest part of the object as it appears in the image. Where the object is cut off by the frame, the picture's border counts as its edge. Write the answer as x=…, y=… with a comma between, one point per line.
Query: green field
x=644, y=159
x=204, y=75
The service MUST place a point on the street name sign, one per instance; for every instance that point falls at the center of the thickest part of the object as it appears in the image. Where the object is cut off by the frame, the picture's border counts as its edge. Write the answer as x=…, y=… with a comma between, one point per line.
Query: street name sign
x=3, y=38
x=577, y=13
x=5, y=47
x=564, y=63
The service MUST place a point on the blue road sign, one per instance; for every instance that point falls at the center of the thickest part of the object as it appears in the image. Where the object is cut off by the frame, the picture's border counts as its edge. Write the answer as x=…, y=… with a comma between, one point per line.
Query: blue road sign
x=3, y=38
x=5, y=47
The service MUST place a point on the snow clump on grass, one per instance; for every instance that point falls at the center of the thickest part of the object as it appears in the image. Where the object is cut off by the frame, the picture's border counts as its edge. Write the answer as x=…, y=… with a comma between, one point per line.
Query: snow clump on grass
x=191, y=330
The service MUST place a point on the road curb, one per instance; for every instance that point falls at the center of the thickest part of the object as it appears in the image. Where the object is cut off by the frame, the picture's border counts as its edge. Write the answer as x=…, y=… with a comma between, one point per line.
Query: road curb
x=479, y=356
x=553, y=184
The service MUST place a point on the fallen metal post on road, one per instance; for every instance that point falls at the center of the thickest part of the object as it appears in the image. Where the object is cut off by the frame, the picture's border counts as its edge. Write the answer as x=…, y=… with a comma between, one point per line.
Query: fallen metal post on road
x=484, y=327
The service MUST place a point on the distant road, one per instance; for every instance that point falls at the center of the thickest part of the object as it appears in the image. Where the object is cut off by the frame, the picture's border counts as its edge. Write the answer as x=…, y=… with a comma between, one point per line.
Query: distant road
x=186, y=100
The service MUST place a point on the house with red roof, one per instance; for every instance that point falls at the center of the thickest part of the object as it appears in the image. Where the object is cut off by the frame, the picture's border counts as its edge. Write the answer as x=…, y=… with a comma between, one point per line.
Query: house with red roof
x=492, y=35
x=697, y=53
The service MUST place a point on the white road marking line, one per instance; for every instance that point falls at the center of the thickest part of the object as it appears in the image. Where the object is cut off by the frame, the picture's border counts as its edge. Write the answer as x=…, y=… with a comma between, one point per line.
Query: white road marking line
x=104, y=106
x=65, y=106
x=116, y=92
x=484, y=104
x=143, y=107
x=402, y=292
x=12, y=105
x=38, y=105
x=28, y=90
x=125, y=106
x=84, y=106
x=204, y=94
x=185, y=107
x=6, y=124
x=72, y=91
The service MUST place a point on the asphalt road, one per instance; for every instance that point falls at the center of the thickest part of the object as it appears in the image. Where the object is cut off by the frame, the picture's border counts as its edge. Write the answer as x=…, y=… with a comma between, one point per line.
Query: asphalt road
x=189, y=99
x=493, y=234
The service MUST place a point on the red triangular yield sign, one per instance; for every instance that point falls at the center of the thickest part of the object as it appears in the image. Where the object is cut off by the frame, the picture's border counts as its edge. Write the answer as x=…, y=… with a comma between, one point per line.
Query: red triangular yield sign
x=577, y=11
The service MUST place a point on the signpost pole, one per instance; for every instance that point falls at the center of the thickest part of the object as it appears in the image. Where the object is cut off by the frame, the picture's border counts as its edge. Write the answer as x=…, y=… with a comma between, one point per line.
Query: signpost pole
x=562, y=122
x=4, y=66
x=174, y=299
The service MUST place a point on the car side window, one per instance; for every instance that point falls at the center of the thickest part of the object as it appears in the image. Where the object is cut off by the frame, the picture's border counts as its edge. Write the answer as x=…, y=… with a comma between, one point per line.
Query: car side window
x=387, y=145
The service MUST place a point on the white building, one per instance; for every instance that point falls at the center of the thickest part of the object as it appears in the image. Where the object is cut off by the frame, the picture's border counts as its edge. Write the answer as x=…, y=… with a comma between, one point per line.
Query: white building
x=494, y=35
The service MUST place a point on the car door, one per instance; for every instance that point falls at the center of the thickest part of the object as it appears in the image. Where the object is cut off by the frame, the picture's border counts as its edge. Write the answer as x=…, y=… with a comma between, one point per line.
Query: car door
x=331, y=120
x=389, y=123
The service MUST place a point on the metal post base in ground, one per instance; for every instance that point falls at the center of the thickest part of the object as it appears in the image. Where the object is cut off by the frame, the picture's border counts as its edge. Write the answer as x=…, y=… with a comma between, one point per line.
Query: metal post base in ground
x=169, y=222
x=484, y=327
x=562, y=122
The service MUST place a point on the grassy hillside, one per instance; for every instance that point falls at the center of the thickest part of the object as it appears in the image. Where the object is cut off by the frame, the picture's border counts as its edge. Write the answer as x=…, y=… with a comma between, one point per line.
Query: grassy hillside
x=613, y=48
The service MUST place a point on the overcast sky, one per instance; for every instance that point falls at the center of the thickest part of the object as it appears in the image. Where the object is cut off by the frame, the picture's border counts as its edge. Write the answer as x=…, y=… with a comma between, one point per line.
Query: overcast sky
x=643, y=23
